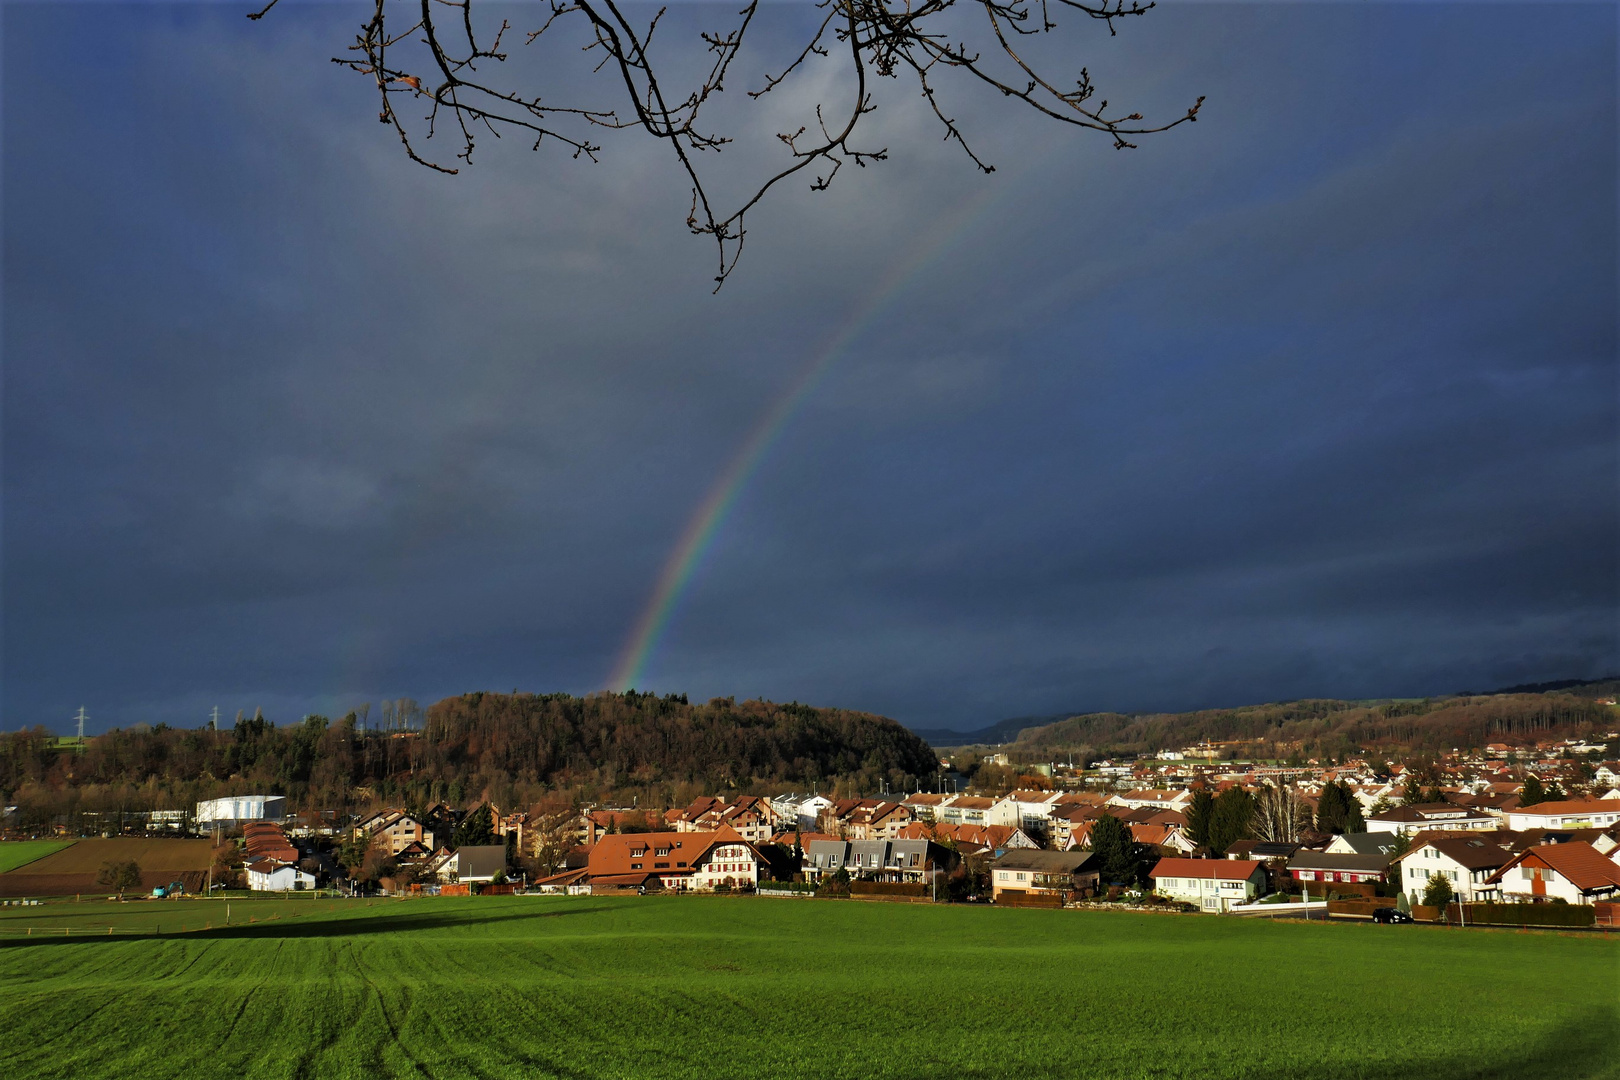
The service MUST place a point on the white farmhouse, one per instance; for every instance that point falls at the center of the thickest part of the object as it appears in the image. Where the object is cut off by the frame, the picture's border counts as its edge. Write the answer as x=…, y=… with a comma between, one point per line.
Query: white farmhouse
x=1212, y=884
x=267, y=875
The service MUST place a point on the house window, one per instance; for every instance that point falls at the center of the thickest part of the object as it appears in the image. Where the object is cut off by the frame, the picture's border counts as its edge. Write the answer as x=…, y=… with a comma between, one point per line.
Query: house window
x=662, y=853
x=1023, y=877
x=635, y=866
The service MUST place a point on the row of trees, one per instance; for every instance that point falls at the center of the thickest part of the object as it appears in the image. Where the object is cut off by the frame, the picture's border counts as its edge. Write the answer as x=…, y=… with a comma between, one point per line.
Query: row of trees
x=1276, y=813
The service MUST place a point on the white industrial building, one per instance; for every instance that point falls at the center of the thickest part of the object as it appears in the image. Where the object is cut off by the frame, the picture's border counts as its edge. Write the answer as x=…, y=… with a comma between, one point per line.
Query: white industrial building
x=224, y=813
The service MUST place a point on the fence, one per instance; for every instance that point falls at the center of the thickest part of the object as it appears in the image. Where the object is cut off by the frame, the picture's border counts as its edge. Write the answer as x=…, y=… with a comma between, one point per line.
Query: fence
x=786, y=888
x=886, y=888
x=1522, y=914
x=1033, y=899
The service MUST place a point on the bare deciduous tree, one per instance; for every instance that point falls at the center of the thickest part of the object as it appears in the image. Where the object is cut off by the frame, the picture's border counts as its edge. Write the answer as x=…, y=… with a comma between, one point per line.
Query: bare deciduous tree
x=1280, y=815
x=438, y=56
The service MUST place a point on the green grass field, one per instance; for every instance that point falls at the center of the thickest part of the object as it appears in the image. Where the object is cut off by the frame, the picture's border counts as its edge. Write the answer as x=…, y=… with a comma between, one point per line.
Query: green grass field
x=755, y=988
x=15, y=853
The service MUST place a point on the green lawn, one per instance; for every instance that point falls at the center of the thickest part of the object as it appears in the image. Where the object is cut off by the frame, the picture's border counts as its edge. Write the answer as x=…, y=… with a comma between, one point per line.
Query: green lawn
x=756, y=988
x=15, y=853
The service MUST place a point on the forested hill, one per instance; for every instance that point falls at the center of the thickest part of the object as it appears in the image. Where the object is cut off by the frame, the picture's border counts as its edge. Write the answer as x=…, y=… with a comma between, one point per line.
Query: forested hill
x=614, y=740
x=513, y=748
x=1332, y=727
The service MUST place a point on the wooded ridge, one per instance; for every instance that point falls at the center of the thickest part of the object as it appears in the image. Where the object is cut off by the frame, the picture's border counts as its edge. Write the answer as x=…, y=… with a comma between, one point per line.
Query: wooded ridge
x=512, y=748
x=1327, y=727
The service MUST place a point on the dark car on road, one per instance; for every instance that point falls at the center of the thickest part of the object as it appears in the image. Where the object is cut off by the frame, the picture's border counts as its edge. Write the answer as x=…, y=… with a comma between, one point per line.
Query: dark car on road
x=1390, y=915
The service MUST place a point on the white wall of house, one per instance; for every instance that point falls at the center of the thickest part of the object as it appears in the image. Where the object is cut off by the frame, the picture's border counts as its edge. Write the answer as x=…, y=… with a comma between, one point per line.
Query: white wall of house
x=284, y=879
x=1210, y=894
x=1597, y=816
x=1519, y=885
x=734, y=863
x=1416, y=866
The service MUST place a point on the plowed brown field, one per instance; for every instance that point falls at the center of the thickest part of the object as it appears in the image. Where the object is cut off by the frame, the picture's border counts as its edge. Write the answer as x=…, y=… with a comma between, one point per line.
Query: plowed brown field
x=73, y=870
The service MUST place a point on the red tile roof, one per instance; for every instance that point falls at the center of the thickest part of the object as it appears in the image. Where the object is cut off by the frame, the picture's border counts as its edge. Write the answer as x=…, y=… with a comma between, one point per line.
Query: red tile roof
x=1569, y=807
x=1580, y=862
x=612, y=854
x=1215, y=869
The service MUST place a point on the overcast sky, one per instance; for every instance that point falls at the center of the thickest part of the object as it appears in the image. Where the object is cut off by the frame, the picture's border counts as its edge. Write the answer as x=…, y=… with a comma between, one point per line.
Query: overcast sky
x=1315, y=397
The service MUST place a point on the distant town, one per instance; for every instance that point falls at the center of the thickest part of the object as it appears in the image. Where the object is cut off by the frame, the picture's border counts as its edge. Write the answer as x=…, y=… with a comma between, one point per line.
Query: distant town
x=1525, y=834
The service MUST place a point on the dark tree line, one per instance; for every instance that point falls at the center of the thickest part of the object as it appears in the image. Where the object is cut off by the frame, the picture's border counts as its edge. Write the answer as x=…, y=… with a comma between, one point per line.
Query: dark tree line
x=514, y=749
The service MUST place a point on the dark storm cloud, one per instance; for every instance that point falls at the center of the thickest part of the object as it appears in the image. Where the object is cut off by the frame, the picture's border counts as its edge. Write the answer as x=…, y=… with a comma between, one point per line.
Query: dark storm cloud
x=1317, y=396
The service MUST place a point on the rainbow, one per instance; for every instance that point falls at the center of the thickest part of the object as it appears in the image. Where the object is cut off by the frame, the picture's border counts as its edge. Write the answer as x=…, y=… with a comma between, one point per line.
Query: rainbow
x=711, y=514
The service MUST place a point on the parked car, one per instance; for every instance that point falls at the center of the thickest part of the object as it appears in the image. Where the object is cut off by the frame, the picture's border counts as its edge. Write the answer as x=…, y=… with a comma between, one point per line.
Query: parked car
x=1390, y=915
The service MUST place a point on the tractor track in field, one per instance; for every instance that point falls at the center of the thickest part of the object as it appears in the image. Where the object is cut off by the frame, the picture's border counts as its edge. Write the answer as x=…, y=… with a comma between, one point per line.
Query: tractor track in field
x=382, y=1005
x=241, y=1009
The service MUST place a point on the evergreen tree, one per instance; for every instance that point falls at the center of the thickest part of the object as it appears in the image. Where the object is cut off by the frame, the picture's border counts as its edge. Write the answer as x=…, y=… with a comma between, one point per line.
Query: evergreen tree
x=1330, y=809
x=1354, y=820
x=1114, y=846
x=476, y=829
x=1438, y=891
x=1531, y=793
x=1231, y=819
x=1198, y=817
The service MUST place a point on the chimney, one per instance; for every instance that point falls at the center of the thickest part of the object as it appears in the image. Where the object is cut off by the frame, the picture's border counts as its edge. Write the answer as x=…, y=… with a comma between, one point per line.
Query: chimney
x=590, y=830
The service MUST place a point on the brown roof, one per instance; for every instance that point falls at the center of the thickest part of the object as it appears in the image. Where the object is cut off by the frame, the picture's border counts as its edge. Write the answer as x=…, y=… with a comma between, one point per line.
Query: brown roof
x=1565, y=807
x=1586, y=869
x=1471, y=852
x=612, y=854
x=1217, y=869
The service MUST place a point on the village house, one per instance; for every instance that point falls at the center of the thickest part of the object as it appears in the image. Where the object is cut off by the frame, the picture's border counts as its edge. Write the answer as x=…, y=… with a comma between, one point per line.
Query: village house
x=1429, y=816
x=878, y=821
x=971, y=839
x=1379, y=843
x=753, y=818
x=268, y=875
x=473, y=864
x=1328, y=866
x=1044, y=873
x=977, y=810
x=1212, y=884
x=903, y=861
x=1566, y=814
x=1166, y=838
x=1466, y=863
x=1574, y=872
x=397, y=830
x=679, y=861
x=924, y=806
x=1153, y=798
x=799, y=811
x=1034, y=810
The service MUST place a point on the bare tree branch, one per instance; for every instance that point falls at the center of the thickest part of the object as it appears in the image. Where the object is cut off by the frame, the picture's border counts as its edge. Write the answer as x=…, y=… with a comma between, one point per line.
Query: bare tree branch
x=879, y=37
